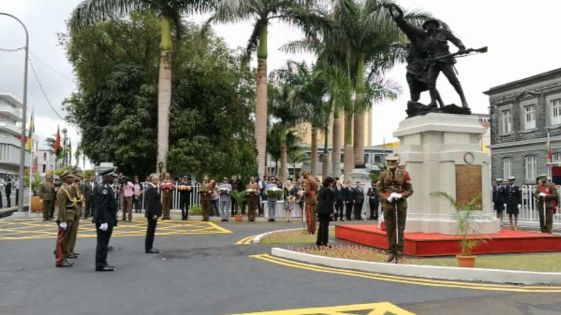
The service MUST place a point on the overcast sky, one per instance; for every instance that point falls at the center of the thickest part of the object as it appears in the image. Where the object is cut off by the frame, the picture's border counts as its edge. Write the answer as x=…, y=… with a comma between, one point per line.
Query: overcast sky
x=521, y=35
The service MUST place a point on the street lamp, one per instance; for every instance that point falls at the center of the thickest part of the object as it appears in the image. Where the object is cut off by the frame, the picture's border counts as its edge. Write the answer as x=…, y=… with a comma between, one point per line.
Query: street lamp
x=24, y=114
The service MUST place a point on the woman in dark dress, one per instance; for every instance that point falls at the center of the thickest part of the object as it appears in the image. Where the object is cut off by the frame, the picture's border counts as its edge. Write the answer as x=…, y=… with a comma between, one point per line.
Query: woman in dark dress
x=326, y=198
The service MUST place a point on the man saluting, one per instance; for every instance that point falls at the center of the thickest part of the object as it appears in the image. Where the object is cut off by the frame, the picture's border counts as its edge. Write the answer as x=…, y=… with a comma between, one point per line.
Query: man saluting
x=104, y=218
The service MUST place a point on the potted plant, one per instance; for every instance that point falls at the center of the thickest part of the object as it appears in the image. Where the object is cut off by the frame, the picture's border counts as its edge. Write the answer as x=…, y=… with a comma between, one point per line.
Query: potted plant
x=464, y=217
x=238, y=197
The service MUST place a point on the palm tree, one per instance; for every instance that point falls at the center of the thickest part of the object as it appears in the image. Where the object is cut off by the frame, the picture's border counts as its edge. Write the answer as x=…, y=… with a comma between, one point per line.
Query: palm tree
x=170, y=11
x=286, y=106
x=296, y=156
x=262, y=12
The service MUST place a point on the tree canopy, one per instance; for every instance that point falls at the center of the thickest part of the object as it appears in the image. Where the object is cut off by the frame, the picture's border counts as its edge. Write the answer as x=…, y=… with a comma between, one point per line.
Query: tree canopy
x=115, y=106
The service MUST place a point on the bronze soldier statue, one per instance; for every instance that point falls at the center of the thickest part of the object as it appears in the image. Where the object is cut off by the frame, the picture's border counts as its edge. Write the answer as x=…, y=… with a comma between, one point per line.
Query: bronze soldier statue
x=394, y=188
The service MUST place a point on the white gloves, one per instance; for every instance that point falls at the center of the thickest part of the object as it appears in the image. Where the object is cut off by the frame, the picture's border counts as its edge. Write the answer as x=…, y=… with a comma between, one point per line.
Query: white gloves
x=103, y=226
x=542, y=194
x=155, y=216
x=394, y=196
x=504, y=204
x=519, y=206
x=62, y=225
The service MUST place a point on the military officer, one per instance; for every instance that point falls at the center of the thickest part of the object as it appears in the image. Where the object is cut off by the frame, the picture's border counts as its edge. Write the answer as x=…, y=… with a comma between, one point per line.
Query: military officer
x=166, y=189
x=513, y=199
x=79, y=207
x=104, y=218
x=546, y=197
x=66, y=205
x=47, y=192
x=310, y=199
x=394, y=188
x=498, y=198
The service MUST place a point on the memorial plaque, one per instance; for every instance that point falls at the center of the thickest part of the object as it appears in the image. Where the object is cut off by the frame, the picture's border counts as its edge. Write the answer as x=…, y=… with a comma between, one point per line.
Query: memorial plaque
x=468, y=183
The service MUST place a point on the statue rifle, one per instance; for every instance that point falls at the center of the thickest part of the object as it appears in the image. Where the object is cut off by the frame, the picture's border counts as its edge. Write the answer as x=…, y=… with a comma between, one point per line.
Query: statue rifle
x=465, y=53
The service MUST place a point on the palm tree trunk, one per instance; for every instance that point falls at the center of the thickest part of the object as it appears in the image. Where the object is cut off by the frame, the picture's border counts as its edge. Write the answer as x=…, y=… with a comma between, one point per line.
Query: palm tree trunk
x=325, y=158
x=349, y=157
x=336, y=159
x=164, y=94
x=359, y=117
x=261, y=102
x=314, y=153
x=283, y=158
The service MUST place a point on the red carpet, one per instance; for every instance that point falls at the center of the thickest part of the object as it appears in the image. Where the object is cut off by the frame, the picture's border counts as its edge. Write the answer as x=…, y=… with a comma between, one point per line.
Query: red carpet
x=423, y=244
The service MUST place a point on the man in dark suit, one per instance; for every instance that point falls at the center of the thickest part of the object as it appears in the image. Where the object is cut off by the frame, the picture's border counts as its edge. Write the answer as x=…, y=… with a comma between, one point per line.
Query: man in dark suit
x=348, y=199
x=8, y=191
x=358, y=200
x=339, y=200
x=153, y=211
x=87, y=191
x=184, y=187
x=104, y=218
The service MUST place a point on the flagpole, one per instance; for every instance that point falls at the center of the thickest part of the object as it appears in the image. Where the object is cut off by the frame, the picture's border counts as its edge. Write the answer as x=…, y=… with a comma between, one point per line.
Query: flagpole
x=30, y=181
x=549, y=157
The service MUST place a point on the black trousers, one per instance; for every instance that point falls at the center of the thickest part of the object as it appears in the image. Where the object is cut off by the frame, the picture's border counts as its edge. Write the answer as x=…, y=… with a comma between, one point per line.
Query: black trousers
x=88, y=211
x=9, y=200
x=103, y=238
x=184, y=205
x=323, y=231
x=348, y=210
x=358, y=210
x=373, y=208
x=150, y=231
x=17, y=197
x=339, y=210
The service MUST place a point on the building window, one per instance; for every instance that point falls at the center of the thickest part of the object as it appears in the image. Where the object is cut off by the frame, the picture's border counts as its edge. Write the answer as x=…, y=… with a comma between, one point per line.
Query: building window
x=507, y=167
x=530, y=168
x=378, y=159
x=44, y=156
x=556, y=111
x=506, y=121
x=556, y=158
x=366, y=159
x=529, y=117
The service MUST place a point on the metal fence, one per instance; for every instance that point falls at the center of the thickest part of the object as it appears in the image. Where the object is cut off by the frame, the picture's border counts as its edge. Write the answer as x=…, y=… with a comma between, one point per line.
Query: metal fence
x=195, y=198
x=528, y=210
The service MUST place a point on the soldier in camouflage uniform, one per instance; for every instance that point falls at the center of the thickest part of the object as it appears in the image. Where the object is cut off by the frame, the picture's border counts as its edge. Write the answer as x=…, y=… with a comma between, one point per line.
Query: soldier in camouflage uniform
x=394, y=187
x=66, y=205
x=546, y=196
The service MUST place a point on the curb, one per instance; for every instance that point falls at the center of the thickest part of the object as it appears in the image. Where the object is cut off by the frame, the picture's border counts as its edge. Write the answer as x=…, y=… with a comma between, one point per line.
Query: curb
x=431, y=272
x=257, y=239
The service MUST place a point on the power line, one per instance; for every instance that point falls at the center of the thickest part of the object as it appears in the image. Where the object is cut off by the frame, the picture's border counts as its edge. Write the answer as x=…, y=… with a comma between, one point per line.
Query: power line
x=43, y=90
x=51, y=67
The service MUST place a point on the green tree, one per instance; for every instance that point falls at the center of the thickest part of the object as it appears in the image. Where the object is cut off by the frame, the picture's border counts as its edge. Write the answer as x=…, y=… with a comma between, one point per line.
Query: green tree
x=92, y=11
x=299, y=12
x=115, y=105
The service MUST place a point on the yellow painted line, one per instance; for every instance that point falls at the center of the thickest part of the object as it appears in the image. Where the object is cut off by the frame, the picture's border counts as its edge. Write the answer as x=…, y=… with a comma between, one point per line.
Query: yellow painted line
x=409, y=280
x=371, y=309
x=246, y=240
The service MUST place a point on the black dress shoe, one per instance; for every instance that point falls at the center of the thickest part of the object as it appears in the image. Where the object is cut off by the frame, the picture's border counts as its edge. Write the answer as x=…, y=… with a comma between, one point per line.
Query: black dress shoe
x=106, y=268
x=72, y=256
x=64, y=264
x=152, y=251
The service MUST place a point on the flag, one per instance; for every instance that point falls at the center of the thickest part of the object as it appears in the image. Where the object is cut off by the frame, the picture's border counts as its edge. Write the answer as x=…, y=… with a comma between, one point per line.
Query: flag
x=56, y=146
x=548, y=154
x=31, y=130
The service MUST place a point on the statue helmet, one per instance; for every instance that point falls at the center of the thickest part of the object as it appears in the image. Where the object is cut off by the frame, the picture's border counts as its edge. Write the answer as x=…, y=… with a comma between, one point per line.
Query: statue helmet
x=431, y=21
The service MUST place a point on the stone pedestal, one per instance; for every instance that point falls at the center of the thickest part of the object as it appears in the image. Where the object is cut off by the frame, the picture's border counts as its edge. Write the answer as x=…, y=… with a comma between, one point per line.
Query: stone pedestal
x=442, y=152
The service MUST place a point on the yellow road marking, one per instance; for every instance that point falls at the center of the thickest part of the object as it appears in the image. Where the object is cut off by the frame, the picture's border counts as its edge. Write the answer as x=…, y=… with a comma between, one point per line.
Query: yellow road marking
x=246, y=240
x=409, y=280
x=34, y=229
x=372, y=309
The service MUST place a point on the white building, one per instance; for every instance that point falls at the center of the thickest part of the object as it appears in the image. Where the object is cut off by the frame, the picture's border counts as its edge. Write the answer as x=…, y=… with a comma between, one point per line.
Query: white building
x=10, y=128
x=45, y=160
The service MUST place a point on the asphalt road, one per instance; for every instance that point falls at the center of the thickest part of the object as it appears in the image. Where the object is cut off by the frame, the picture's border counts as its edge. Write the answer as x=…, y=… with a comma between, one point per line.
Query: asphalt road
x=208, y=274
